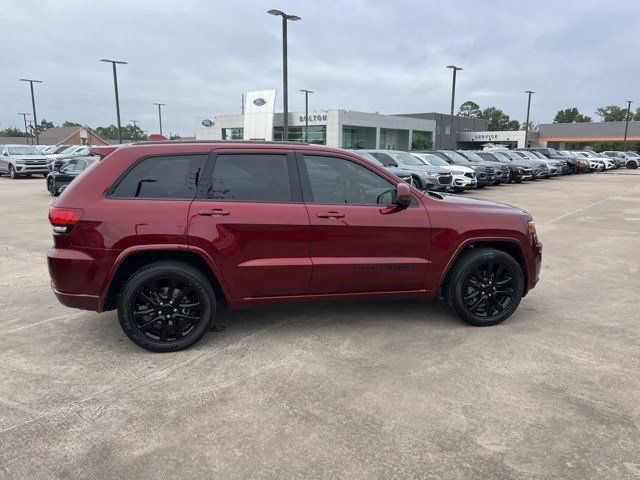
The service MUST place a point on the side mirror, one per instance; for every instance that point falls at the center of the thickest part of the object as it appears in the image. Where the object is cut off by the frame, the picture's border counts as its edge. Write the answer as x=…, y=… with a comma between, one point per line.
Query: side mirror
x=403, y=195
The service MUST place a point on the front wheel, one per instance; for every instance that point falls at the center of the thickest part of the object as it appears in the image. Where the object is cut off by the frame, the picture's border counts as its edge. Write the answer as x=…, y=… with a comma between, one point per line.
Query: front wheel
x=12, y=172
x=166, y=306
x=632, y=165
x=51, y=187
x=484, y=287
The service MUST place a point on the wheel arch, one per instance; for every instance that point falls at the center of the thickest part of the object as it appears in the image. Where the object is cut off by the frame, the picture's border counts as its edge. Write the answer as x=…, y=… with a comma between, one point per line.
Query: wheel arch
x=510, y=246
x=129, y=262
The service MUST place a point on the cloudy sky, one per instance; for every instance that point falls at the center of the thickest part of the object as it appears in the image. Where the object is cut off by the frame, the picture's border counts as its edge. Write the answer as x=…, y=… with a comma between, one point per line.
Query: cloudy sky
x=198, y=57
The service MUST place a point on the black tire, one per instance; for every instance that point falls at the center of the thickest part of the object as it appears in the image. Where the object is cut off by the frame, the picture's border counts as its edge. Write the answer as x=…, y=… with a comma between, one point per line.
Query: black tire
x=459, y=286
x=51, y=187
x=417, y=182
x=480, y=186
x=12, y=172
x=517, y=179
x=632, y=165
x=147, y=329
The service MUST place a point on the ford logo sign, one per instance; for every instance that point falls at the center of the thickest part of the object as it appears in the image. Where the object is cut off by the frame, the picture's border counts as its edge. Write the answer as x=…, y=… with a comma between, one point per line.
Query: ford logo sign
x=207, y=122
x=259, y=102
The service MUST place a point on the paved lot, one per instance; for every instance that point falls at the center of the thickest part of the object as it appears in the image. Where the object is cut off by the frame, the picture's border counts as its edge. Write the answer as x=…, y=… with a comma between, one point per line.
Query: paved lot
x=360, y=390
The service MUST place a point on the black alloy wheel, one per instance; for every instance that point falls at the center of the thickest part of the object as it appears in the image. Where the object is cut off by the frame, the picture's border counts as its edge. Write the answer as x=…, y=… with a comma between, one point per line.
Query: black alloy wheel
x=485, y=286
x=166, y=306
x=51, y=186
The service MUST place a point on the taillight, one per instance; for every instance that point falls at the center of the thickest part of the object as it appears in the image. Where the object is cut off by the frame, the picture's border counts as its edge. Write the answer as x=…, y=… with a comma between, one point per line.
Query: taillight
x=64, y=219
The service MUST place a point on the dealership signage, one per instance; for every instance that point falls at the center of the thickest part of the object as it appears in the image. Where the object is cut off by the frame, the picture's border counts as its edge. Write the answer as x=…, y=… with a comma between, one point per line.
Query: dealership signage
x=485, y=136
x=314, y=118
x=259, y=102
x=207, y=122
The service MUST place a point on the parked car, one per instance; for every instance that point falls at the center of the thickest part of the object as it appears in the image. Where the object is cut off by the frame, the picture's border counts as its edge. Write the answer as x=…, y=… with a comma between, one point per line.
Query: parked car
x=463, y=177
x=628, y=159
x=565, y=165
x=519, y=170
x=399, y=172
x=167, y=233
x=59, y=162
x=502, y=170
x=609, y=163
x=554, y=166
x=585, y=165
x=425, y=177
x=58, y=180
x=538, y=167
x=72, y=150
x=22, y=161
x=485, y=174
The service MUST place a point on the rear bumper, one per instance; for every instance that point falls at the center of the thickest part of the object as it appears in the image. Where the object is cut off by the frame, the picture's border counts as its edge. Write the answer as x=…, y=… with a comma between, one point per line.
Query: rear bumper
x=78, y=300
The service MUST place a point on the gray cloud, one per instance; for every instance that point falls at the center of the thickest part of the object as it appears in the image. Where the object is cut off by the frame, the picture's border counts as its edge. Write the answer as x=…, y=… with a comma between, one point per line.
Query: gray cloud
x=198, y=57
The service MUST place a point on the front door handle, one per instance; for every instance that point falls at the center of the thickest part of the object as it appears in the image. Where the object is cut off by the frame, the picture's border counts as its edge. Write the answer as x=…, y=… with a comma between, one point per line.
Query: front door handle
x=213, y=211
x=332, y=214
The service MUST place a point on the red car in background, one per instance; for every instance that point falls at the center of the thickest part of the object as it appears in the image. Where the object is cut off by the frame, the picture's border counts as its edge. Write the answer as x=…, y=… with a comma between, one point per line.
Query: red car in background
x=167, y=232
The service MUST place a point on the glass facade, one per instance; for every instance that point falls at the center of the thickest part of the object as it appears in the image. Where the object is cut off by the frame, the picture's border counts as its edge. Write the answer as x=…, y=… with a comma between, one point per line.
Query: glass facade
x=383, y=140
x=358, y=137
x=233, y=133
x=317, y=134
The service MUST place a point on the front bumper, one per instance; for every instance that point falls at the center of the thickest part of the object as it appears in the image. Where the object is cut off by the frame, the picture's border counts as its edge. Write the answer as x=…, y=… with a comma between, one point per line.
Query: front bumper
x=32, y=168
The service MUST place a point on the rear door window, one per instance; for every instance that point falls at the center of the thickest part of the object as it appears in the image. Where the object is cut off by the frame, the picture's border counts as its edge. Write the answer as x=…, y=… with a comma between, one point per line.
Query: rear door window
x=250, y=178
x=173, y=176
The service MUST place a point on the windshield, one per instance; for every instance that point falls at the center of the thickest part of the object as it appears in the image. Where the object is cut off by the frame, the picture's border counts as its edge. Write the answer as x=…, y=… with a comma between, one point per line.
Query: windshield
x=27, y=150
x=66, y=150
x=367, y=156
x=500, y=157
x=407, y=159
x=632, y=153
x=528, y=155
x=473, y=157
x=432, y=159
x=455, y=156
x=509, y=154
x=538, y=155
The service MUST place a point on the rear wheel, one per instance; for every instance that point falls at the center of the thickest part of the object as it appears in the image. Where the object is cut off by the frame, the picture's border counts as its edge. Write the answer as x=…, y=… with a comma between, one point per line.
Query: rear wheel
x=484, y=287
x=166, y=306
x=632, y=165
x=51, y=187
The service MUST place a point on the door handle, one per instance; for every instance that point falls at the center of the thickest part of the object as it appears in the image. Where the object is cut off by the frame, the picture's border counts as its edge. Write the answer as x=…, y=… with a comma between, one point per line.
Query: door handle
x=331, y=214
x=213, y=211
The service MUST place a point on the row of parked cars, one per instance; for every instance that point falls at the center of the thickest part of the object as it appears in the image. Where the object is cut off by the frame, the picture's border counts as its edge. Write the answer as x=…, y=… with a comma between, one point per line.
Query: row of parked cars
x=458, y=170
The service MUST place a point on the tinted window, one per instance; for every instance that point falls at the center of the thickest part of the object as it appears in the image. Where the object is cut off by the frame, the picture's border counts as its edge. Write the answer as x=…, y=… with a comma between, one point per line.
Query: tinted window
x=336, y=181
x=162, y=177
x=385, y=159
x=250, y=178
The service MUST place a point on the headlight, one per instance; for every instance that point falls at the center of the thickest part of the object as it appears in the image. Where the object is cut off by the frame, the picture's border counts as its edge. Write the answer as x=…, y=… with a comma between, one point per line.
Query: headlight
x=533, y=232
x=474, y=167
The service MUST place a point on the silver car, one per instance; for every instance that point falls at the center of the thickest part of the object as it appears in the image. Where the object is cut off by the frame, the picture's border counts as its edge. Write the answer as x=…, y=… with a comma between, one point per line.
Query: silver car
x=22, y=160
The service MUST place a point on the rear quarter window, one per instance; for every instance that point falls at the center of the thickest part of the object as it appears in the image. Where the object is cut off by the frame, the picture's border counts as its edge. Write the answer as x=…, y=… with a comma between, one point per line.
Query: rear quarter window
x=173, y=176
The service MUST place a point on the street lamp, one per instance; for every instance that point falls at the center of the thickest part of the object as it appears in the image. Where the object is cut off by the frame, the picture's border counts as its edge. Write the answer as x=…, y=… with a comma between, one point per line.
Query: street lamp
x=626, y=126
x=526, y=125
x=160, y=105
x=285, y=89
x=33, y=105
x=453, y=98
x=24, y=116
x=306, y=113
x=115, y=85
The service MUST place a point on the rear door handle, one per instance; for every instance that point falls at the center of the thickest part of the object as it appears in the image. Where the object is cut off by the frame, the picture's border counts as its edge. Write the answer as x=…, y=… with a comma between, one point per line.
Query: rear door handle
x=213, y=211
x=331, y=214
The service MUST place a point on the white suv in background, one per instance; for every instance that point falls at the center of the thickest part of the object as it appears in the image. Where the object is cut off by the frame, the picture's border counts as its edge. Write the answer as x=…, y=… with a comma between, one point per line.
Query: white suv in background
x=631, y=159
x=463, y=177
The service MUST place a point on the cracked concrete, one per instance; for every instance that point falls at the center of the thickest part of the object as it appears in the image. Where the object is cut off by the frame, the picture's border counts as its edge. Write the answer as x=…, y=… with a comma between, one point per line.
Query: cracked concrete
x=358, y=390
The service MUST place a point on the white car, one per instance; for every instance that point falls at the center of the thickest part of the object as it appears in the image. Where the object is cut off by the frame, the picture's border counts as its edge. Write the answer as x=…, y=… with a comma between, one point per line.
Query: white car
x=608, y=162
x=463, y=177
x=73, y=150
x=630, y=159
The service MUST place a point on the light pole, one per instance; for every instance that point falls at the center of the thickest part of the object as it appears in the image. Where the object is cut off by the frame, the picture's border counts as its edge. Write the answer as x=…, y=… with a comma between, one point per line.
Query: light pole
x=453, y=98
x=526, y=125
x=134, y=133
x=33, y=105
x=285, y=87
x=626, y=126
x=115, y=85
x=160, y=105
x=306, y=113
x=24, y=116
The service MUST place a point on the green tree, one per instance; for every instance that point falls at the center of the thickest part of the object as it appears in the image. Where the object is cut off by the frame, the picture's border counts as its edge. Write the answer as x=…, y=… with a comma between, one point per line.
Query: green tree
x=12, y=132
x=612, y=113
x=175, y=136
x=45, y=125
x=533, y=126
x=571, y=115
x=470, y=109
x=129, y=132
x=71, y=124
x=498, y=120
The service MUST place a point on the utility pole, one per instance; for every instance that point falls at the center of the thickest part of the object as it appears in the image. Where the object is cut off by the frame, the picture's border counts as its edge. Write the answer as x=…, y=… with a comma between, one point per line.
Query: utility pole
x=134, y=134
x=526, y=125
x=306, y=113
x=33, y=105
x=626, y=126
x=24, y=116
x=285, y=87
x=242, y=103
x=453, y=100
x=115, y=85
x=160, y=105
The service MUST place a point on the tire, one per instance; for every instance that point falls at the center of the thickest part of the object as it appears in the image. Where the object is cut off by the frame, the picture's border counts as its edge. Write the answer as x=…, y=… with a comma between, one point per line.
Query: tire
x=517, y=179
x=632, y=165
x=479, y=187
x=12, y=172
x=417, y=182
x=464, y=275
x=147, y=330
x=51, y=187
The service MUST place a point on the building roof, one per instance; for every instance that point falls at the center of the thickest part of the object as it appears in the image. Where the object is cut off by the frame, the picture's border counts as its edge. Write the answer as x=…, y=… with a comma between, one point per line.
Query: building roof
x=58, y=135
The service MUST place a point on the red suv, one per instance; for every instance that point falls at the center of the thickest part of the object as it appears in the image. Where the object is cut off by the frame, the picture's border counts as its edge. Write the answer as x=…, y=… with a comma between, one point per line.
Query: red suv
x=167, y=232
